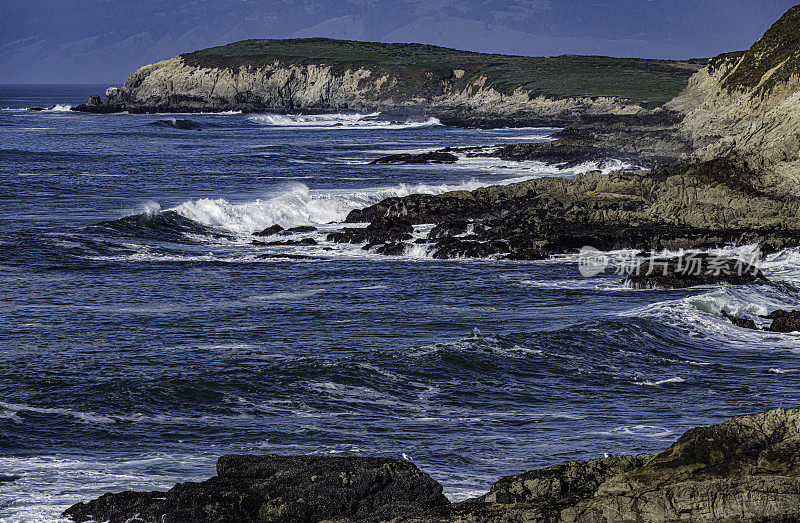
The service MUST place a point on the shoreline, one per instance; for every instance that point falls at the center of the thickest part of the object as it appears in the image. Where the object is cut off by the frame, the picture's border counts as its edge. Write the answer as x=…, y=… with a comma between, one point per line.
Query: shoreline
x=744, y=469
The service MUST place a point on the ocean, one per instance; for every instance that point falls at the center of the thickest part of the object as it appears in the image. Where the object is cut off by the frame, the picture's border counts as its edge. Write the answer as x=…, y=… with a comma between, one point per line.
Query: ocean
x=143, y=335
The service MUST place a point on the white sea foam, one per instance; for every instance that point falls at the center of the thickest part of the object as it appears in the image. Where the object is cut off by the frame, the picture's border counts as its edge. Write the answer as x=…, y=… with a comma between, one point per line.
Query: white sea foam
x=296, y=204
x=776, y=370
x=666, y=381
x=46, y=485
x=348, y=120
x=12, y=409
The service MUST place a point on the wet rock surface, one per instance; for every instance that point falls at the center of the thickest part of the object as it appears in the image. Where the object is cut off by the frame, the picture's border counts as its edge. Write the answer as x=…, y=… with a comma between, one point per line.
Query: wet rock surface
x=692, y=270
x=418, y=159
x=782, y=321
x=303, y=241
x=685, y=206
x=269, y=231
x=745, y=469
x=381, y=230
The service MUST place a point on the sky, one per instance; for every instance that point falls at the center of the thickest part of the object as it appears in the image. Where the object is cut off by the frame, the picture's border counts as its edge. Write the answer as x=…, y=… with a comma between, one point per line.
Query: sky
x=103, y=41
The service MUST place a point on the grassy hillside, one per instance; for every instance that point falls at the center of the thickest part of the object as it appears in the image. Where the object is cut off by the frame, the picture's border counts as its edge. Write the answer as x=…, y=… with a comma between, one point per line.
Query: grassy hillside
x=776, y=53
x=420, y=67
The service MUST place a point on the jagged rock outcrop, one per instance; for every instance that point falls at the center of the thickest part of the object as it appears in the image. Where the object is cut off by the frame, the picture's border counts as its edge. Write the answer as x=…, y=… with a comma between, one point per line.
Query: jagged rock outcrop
x=746, y=469
x=416, y=159
x=460, y=87
x=275, y=488
x=688, y=207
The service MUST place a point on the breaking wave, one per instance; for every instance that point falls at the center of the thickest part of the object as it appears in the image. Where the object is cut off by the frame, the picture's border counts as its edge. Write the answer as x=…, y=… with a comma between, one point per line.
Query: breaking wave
x=297, y=205
x=346, y=120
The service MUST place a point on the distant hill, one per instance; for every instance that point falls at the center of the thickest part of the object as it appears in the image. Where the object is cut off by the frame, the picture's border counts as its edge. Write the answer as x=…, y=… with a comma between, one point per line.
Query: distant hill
x=649, y=81
x=461, y=87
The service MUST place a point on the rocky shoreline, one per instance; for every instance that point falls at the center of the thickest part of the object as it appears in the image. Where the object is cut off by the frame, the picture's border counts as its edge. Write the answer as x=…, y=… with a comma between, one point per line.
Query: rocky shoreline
x=745, y=469
x=719, y=165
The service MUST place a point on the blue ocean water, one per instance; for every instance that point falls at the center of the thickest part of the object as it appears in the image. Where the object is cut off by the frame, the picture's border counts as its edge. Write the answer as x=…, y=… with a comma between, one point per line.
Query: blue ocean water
x=142, y=335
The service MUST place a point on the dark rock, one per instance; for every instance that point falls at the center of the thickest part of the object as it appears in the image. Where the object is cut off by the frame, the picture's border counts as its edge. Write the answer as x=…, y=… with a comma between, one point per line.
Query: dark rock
x=381, y=230
x=302, y=228
x=784, y=321
x=269, y=231
x=450, y=228
x=95, y=105
x=392, y=249
x=36, y=108
x=692, y=270
x=452, y=248
x=275, y=488
x=424, y=158
x=744, y=323
x=304, y=241
x=178, y=123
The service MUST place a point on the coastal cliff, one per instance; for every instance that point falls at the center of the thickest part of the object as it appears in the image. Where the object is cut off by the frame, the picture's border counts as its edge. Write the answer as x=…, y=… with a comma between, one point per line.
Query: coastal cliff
x=745, y=469
x=459, y=87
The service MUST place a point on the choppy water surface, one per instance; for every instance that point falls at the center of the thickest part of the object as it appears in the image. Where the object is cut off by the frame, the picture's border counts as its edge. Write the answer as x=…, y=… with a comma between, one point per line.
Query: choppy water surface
x=143, y=336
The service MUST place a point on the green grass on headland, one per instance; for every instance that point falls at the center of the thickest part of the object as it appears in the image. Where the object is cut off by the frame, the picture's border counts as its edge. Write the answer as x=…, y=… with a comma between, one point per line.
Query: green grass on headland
x=420, y=68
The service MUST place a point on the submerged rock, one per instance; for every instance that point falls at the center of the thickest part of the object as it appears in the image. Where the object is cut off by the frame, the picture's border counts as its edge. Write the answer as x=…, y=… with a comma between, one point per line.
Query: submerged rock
x=692, y=270
x=744, y=323
x=782, y=321
x=424, y=158
x=303, y=241
x=178, y=123
x=275, y=488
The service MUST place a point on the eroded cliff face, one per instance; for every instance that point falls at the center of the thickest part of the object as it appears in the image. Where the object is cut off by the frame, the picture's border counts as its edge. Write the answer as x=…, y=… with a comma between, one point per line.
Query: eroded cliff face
x=175, y=85
x=746, y=107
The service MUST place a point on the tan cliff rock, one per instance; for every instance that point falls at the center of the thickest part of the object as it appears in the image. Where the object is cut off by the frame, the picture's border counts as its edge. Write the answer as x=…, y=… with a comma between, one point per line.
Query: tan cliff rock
x=308, y=75
x=279, y=87
x=746, y=106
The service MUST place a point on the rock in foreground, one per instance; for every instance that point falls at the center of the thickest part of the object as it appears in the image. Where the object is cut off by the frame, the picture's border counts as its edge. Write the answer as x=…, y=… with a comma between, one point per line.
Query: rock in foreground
x=280, y=488
x=745, y=469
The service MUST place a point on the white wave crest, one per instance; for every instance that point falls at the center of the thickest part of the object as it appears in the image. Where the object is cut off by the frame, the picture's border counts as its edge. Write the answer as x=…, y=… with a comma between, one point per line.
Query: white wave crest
x=297, y=205
x=60, y=108
x=677, y=379
x=348, y=120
